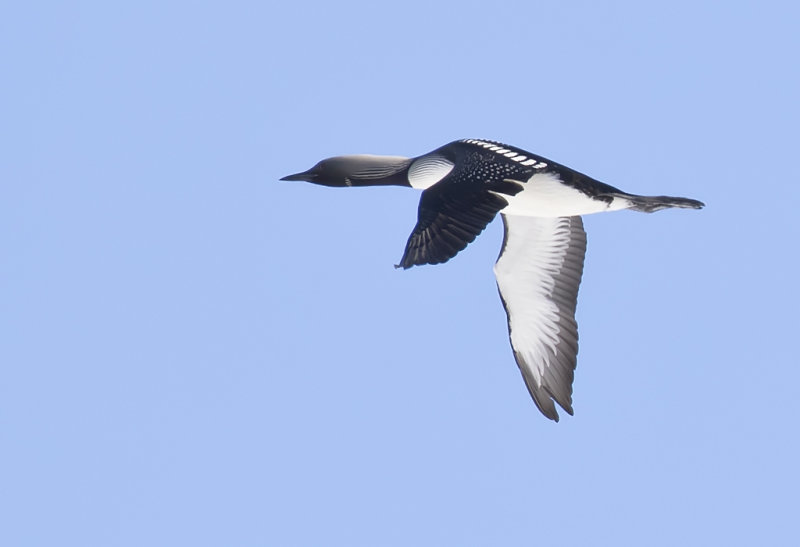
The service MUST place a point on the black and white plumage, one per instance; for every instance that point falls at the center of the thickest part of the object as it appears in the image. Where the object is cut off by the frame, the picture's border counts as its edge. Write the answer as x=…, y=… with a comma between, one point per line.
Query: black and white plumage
x=465, y=184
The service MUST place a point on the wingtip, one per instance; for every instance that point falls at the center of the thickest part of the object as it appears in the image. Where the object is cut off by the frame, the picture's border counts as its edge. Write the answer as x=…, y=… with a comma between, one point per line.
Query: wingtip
x=552, y=414
x=544, y=403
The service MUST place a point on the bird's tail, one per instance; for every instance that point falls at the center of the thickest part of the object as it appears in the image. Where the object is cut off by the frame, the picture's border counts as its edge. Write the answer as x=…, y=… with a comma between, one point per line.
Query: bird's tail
x=651, y=204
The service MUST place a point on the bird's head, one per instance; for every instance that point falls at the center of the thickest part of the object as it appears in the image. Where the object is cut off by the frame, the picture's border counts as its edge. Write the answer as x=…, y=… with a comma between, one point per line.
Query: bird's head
x=361, y=170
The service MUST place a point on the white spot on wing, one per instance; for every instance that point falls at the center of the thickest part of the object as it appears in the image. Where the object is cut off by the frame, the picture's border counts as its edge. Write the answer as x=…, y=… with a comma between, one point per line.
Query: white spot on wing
x=516, y=156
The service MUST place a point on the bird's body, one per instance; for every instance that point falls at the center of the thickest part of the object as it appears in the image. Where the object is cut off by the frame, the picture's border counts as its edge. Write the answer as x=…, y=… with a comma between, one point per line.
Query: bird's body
x=465, y=184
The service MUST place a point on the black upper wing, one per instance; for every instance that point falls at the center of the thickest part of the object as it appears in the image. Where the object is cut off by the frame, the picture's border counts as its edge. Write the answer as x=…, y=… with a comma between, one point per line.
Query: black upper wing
x=447, y=221
x=456, y=209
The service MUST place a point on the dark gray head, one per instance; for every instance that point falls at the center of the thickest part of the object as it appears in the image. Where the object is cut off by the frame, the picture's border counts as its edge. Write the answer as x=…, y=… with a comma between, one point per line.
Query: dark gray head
x=361, y=170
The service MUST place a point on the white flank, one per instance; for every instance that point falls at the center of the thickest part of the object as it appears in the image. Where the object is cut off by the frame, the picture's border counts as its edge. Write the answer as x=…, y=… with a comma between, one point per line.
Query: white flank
x=544, y=195
x=428, y=170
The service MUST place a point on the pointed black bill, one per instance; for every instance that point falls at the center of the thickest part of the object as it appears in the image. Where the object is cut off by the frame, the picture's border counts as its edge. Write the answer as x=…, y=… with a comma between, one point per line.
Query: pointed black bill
x=307, y=176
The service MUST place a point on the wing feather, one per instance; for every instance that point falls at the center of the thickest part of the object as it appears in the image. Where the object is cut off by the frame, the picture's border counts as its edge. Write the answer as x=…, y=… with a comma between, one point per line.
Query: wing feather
x=448, y=220
x=538, y=274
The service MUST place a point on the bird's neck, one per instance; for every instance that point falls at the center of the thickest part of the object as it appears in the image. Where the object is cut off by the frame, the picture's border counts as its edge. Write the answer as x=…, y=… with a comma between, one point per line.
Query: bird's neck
x=381, y=171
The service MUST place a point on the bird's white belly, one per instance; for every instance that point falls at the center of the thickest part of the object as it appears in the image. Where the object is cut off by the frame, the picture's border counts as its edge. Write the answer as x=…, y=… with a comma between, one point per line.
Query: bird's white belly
x=544, y=195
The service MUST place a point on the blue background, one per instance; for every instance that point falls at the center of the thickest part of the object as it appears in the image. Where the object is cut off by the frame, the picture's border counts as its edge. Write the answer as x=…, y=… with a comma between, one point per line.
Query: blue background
x=193, y=353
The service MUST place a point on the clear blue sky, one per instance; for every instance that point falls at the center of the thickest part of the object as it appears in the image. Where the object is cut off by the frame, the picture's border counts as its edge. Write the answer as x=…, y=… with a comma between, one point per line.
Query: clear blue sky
x=193, y=353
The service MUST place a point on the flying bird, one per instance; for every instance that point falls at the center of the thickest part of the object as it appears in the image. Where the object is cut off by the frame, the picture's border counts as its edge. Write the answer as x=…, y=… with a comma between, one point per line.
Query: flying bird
x=464, y=185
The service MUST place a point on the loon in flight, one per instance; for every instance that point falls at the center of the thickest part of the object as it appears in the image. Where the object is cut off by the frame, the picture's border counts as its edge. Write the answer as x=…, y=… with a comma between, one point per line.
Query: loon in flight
x=464, y=185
